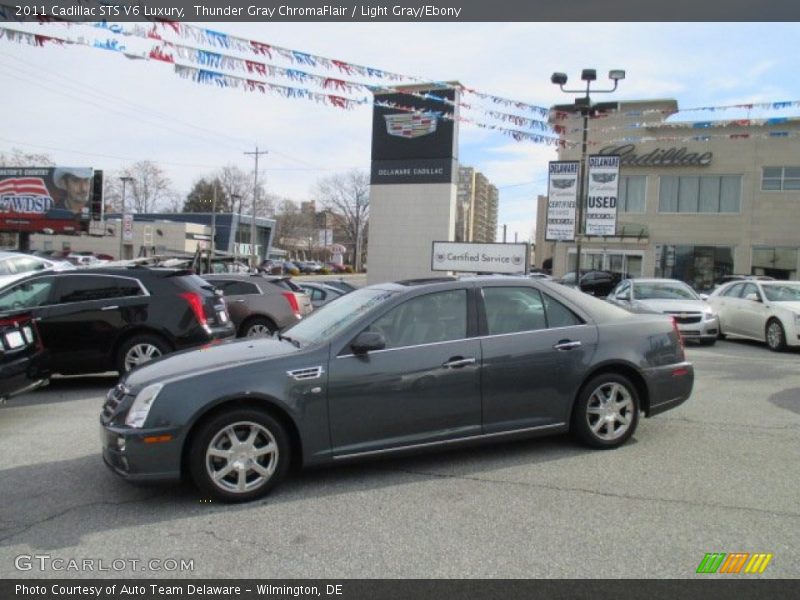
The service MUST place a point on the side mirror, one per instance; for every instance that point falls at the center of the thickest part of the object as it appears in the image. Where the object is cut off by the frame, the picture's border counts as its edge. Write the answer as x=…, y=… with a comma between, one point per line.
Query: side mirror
x=753, y=297
x=368, y=341
x=623, y=296
x=703, y=297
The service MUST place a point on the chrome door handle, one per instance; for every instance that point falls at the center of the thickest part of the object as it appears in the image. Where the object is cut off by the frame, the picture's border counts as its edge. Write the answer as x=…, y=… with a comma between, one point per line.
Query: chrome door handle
x=110, y=308
x=566, y=345
x=457, y=363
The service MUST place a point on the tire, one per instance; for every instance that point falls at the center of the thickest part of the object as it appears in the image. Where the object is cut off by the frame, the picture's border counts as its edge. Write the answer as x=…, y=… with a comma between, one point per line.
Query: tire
x=138, y=350
x=775, y=336
x=252, y=472
x=257, y=327
x=603, y=426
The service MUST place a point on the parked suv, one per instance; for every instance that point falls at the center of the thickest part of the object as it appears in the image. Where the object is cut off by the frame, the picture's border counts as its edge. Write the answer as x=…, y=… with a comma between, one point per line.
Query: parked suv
x=257, y=306
x=116, y=318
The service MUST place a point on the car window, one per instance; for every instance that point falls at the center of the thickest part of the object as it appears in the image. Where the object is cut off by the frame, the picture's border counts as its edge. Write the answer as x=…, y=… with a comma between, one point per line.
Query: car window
x=559, y=315
x=128, y=287
x=733, y=291
x=513, y=309
x=81, y=288
x=5, y=267
x=782, y=292
x=25, y=264
x=28, y=294
x=664, y=290
x=623, y=289
x=750, y=288
x=236, y=288
x=428, y=319
x=315, y=293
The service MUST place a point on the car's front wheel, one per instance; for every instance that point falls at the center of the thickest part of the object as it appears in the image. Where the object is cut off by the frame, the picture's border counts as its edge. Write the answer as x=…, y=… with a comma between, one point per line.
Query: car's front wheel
x=607, y=411
x=776, y=336
x=239, y=455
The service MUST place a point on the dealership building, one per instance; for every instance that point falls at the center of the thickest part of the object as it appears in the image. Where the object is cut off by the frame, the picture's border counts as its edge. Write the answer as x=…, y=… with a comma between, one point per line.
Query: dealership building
x=697, y=200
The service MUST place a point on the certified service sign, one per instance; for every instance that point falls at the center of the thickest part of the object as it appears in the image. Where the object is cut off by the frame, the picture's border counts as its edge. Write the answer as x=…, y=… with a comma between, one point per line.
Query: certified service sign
x=479, y=258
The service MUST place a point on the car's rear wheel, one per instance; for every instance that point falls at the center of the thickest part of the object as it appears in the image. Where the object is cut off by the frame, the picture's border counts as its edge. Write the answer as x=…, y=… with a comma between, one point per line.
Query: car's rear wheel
x=240, y=455
x=138, y=350
x=258, y=327
x=607, y=411
x=776, y=336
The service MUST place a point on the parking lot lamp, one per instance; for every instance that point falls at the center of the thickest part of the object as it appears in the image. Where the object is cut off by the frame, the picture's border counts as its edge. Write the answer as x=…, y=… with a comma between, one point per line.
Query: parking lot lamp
x=584, y=106
x=122, y=217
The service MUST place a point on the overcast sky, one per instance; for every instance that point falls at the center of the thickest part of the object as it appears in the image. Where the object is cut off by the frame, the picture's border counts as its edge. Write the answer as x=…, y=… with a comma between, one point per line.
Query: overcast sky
x=91, y=107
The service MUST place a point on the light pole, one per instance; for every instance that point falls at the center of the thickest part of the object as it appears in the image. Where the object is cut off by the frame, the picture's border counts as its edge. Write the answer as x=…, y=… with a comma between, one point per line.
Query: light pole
x=253, y=255
x=214, y=220
x=234, y=198
x=122, y=217
x=584, y=106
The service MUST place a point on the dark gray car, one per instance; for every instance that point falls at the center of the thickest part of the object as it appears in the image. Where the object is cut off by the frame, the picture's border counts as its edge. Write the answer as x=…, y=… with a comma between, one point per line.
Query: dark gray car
x=396, y=367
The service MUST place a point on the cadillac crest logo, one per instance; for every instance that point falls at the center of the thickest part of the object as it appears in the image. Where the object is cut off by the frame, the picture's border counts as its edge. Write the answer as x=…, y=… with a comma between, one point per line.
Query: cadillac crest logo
x=410, y=125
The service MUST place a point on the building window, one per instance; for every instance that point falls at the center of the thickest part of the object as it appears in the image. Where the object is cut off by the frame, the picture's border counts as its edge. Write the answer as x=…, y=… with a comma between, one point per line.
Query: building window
x=780, y=179
x=780, y=263
x=704, y=194
x=699, y=266
x=632, y=193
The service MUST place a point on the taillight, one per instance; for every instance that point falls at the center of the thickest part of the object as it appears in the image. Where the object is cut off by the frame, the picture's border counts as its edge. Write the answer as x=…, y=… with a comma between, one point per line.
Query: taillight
x=196, y=304
x=292, y=300
x=680, y=337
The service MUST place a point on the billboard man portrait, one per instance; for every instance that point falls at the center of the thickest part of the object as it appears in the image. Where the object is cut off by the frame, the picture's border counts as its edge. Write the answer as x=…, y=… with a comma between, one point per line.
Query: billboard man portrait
x=77, y=186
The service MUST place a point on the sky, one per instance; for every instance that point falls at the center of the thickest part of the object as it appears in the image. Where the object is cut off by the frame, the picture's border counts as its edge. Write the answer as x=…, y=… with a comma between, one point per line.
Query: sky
x=84, y=106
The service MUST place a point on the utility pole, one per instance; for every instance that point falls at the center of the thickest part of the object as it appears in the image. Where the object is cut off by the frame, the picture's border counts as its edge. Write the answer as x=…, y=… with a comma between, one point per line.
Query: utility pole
x=504, y=234
x=253, y=254
x=234, y=198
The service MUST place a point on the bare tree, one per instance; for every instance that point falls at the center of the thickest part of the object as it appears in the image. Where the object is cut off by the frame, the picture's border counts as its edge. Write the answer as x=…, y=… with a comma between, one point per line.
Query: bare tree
x=149, y=188
x=346, y=195
x=17, y=158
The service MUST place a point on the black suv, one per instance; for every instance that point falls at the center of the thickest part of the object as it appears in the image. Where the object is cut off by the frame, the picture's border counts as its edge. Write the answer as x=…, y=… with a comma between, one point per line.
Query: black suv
x=108, y=319
x=596, y=283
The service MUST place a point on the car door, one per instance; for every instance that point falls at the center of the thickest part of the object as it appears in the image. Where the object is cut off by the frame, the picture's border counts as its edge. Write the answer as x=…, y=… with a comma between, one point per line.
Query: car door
x=422, y=388
x=83, y=322
x=535, y=354
x=728, y=305
x=753, y=313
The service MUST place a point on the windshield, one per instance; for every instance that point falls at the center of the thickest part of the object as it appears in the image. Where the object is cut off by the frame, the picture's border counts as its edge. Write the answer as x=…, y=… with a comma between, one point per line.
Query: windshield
x=335, y=316
x=782, y=292
x=664, y=290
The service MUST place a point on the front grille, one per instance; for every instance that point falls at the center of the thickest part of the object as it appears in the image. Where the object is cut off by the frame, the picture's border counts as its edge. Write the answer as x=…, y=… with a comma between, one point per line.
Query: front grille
x=683, y=317
x=113, y=400
x=689, y=332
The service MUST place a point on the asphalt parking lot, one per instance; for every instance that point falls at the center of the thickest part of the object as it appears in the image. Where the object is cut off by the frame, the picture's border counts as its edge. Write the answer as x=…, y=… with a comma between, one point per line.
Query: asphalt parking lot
x=718, y=474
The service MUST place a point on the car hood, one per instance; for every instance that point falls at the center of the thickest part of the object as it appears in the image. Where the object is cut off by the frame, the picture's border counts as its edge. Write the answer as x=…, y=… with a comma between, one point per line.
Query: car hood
x=673, y=305
x=207, y=358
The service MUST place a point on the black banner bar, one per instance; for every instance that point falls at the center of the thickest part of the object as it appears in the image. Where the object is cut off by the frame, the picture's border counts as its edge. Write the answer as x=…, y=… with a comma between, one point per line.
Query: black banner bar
x=387, y=589
x=403, y=10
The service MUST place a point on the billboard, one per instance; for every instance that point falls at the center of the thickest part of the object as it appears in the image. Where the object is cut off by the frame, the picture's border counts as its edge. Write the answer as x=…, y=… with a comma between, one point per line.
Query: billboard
x=602, y=195
x=475, y=257
x=562, y=200
x=49, y=199
x=411, y=142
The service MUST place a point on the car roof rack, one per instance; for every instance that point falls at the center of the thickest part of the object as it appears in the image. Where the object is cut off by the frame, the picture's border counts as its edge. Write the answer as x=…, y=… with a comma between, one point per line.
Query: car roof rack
x=425, y=280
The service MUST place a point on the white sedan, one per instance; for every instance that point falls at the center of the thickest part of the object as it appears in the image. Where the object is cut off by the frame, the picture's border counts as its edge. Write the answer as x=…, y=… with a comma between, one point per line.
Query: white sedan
x=767, y=311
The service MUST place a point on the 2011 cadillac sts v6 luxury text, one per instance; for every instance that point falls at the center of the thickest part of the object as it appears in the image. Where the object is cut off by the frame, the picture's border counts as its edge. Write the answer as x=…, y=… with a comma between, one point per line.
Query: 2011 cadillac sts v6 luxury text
x=396, y=367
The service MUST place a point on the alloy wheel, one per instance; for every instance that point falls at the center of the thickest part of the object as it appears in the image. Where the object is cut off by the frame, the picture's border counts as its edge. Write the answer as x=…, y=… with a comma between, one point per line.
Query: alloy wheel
x=258, y=330
x=242, y=457
x=140, y=354
x=775, y=335
x=609, y=411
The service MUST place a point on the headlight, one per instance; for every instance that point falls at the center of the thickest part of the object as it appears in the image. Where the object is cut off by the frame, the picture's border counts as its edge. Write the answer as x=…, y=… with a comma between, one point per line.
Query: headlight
x=708, y=314
x=141, y=405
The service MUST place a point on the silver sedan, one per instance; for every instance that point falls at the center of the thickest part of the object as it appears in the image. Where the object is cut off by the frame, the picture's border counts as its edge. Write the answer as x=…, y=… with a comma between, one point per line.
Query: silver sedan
x=766, y=311
x=696, y=319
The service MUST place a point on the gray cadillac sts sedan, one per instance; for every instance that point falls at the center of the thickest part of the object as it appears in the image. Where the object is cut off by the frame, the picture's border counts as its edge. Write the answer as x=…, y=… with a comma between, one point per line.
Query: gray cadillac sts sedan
x=391, y=368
